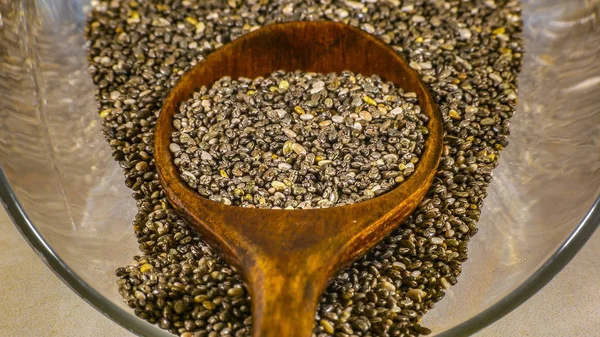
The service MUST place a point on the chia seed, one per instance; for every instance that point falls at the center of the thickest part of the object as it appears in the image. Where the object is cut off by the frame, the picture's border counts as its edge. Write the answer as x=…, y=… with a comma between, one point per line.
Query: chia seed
x=292, y=141
x=468, y=53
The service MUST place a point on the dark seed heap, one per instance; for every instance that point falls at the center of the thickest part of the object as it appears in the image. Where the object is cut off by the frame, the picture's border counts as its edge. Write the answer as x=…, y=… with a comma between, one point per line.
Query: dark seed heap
x=298, y=140
x=467, y=52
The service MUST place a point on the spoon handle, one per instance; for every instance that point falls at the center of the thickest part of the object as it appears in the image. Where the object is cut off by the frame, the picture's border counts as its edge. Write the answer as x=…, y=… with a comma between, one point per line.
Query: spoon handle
x=285, y=297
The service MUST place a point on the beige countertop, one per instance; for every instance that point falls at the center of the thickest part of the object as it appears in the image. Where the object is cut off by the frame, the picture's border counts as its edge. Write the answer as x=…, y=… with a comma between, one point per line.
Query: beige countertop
x=34, y=302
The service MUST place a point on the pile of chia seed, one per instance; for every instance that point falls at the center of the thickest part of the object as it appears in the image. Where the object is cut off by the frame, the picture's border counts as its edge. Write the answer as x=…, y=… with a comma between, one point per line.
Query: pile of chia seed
x=298, y=140
x=467, y=52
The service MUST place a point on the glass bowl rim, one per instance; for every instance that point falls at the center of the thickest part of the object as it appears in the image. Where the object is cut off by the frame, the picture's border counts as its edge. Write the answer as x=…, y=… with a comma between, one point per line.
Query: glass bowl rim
x=557, y=261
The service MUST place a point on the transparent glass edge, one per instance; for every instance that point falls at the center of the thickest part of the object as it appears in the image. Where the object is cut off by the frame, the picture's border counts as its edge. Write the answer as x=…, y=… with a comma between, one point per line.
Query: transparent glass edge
x=63, y=272
x=559, y=259
x=538, y=280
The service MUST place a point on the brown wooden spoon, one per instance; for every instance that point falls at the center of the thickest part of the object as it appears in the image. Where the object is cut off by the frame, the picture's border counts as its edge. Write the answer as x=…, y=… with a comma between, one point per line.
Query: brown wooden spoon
x=287, y=257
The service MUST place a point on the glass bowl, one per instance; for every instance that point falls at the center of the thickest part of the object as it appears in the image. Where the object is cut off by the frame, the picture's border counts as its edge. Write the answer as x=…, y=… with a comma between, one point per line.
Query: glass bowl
x=67, y=196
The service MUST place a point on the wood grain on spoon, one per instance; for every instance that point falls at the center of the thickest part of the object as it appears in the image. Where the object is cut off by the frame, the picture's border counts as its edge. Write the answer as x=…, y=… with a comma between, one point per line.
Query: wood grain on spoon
x=287, y=257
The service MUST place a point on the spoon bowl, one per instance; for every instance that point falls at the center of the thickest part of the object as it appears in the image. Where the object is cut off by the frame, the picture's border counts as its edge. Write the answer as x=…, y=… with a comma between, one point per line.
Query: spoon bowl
x=287, y=257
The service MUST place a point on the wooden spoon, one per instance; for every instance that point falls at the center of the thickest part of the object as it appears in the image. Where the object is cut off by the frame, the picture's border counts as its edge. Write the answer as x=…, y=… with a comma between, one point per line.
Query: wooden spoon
x=287, y=257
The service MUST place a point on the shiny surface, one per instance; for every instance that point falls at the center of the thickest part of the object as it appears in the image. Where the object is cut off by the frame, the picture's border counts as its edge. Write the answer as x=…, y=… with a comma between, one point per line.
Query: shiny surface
x=72, y=202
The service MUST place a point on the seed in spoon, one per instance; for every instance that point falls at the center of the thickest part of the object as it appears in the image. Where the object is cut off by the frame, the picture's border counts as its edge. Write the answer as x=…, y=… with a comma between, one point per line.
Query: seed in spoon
x=298, y=144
